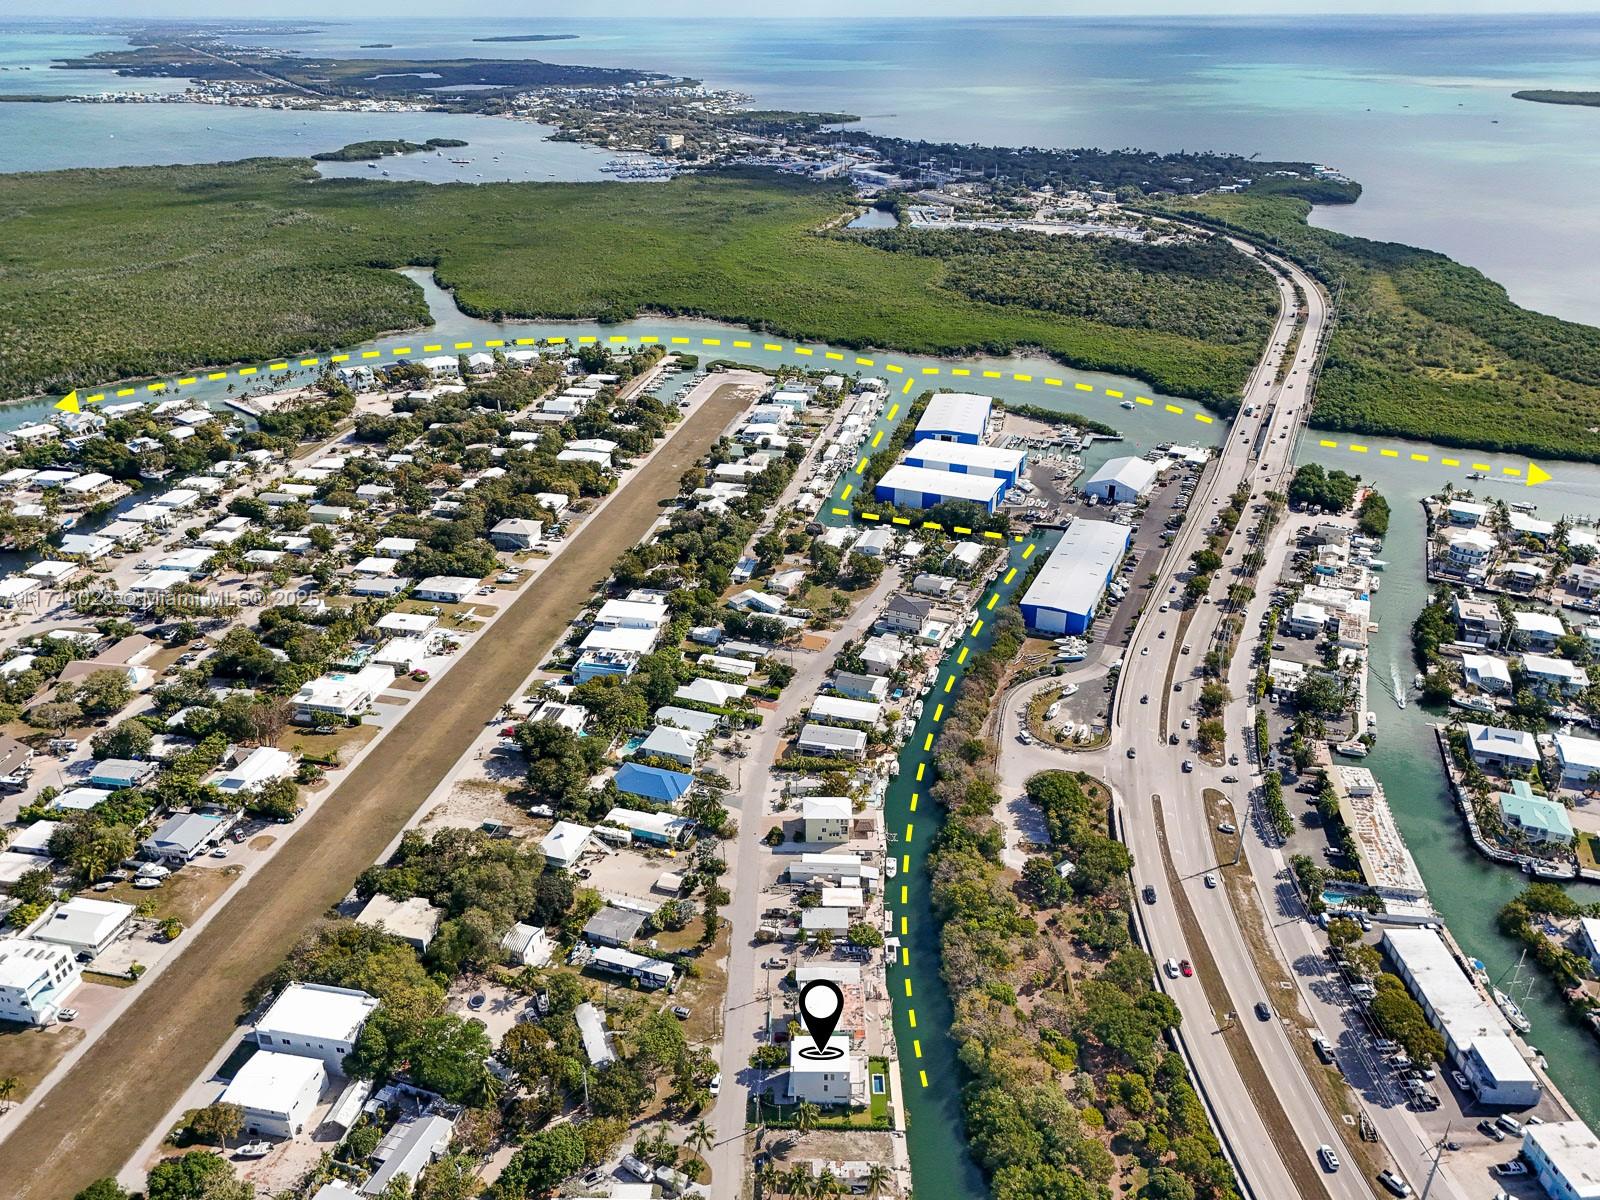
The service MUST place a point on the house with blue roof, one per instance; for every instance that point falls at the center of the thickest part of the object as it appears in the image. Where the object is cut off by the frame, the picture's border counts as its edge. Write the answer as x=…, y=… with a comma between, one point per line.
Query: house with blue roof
x=1535, y=817
x=653, y=783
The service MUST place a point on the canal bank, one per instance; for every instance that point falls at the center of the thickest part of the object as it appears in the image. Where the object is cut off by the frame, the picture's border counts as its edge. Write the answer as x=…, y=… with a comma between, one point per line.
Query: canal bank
x=930, y=1072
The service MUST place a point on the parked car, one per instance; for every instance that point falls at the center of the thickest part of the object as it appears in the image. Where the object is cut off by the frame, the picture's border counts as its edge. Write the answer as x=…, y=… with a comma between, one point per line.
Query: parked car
x=715, y=1087
x=1515, y=1167
x=1226, y=827
x=680, y=1012
x=1491, y=1131
x=67, y=1014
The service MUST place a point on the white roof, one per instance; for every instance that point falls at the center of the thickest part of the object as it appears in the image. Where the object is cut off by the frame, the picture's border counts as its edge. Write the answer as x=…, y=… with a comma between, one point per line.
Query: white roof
x=1464, y=1012
x=315, y=1010
x=404, y=622
x=448, y=584
x=930, y=452
x=1578, y=751
x=1467, y=508
x=1136, y=474
x=710, y=691
x=980, y=488
x=626, y=638
x=956, y=412
x=262, y=765
x=1074, y=575
x=1486, y=666
x=1510, y=743
x=1572, y=1148
x=271, y=1083
x=1523, y=523
x=1539, y=622
x=1554, y=668
x=565, y=841
x=672, y=743
x=1475, y=539
x=840, y=708
x=826, y=808
x=84, y=922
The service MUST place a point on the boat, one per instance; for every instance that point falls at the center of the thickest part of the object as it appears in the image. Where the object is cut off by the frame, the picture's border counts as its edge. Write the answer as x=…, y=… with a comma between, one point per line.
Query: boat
x=1512, y=1013
x=890, y=867
x=253, y=1150
x=1377, y=564
x=1351, y=749
x=1476, y=475
x=1053, y=711
x=1481, y=704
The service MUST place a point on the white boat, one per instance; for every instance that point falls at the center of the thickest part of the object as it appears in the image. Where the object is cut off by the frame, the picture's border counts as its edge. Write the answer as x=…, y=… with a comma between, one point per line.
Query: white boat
x=1053, y=711
x=890, y=867
x=253, y=1150
x=1377, y=564
x=1351, y=749
x=1513, y=1014
x=1480, y=704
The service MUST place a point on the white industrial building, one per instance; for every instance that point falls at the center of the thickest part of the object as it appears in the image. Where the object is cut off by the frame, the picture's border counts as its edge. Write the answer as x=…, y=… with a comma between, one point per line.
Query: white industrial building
x=314, y=1020
x=955, y=417
x=964, y=458
x=921, y=487
x=1122, y=480
x=1065, y=594
x=1477, y=1037
x=277, y=1092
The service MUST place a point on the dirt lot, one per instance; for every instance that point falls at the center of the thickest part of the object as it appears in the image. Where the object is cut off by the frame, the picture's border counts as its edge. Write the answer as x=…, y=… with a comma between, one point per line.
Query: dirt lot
x=95, y=1118
x=29, y=1054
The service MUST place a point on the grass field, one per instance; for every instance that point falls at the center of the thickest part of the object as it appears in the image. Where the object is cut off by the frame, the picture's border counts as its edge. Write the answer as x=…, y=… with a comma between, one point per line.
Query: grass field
x=106, y=274
x=1425, y=347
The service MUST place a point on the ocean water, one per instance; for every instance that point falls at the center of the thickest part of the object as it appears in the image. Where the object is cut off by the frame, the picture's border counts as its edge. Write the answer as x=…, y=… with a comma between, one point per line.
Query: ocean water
x=1419, y=108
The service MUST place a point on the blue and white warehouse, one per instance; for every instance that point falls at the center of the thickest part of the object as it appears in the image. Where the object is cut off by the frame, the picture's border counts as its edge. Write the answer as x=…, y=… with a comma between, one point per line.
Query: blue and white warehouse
x=963, y=458
x=1065, y=594
x=906, y=486
x=955, y=417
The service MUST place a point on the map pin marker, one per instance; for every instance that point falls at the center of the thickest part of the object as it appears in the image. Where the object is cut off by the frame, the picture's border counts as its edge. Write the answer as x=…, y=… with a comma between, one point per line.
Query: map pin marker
x=821, y=1005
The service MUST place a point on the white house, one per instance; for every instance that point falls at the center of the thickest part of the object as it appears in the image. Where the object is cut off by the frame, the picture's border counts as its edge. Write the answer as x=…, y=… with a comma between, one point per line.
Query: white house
x=1468, y=548
x=315, y=1020
x=84, y=925
x=516, y=533
x=1306, y=619
x=1487, y=673
x=1538, y=630
x=1579, y=758
x=1559, y=674
x=341, y=694
x=263, y=765
x=527, y=946
x=565, y=843
x=445, y=589
x=277, y=1092
x=35, y=980
x=1491, y=746
x=839, y=1081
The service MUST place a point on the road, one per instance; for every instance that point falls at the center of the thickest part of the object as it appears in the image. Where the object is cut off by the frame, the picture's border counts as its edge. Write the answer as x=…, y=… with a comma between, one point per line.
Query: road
x=99, y=1112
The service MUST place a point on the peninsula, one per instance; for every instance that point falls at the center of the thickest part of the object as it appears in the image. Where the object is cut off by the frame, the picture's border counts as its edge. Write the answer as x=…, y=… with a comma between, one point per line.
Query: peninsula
x=1557, y=96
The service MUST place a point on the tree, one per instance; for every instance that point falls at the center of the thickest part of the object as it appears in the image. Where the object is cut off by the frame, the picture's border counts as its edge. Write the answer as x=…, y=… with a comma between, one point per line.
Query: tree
x=129, y=739
x=1211, y=735
x=58, y=715
x=104, y=692
x=103, y=1189
x=279, y=800
x=197, y=1175
x=8, y=1088
x=219, y=1123
x=550, y=1156
x=864, y=933
x=700, y=1137
x=877, y=1180
x=453, y=1177
x=806, y=1116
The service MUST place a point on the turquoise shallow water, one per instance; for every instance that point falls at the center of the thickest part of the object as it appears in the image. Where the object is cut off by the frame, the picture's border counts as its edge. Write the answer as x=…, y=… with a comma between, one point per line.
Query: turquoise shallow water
x=1418, y=109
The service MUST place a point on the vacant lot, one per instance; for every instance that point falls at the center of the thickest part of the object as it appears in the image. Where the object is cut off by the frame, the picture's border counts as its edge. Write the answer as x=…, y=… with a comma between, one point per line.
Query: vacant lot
x=96, y=1116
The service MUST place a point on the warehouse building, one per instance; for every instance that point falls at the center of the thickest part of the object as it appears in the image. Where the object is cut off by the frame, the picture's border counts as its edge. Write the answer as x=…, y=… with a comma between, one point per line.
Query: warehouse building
x=962, y=458
x=906, y=486
x=1565, y=1157
x=955, y=417
x=1064, y=595
x=1122, y=480
x=1477, y=1037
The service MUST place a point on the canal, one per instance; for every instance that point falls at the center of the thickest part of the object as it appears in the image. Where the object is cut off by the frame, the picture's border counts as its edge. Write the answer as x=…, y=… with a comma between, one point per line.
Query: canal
x=1467, y=891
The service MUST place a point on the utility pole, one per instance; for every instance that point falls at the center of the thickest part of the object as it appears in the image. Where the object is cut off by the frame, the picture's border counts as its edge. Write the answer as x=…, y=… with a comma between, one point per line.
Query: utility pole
x=1433, y=1169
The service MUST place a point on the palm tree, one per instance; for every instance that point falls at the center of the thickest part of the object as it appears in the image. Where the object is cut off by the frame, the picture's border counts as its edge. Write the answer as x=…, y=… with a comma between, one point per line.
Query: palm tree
x=767, y=1178
x=8, y=1088
x=806, y=1116
x=878, y=1179
x=797, y=1181
x=700, y=1137
x=827, y=1183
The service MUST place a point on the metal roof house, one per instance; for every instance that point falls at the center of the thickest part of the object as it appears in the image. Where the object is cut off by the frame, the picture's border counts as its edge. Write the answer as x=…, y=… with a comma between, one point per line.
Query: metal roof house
x=183, y=836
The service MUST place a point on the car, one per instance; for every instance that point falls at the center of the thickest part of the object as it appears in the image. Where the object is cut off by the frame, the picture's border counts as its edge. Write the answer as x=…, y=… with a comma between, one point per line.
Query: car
x=1143, y=650
x=1330, y=1160
x=1227, y=827
x=1263, y=1013
x=67, y=1014
x=594, y=1176
x=1172, y=968
x=1233, y=760
x=715, y=1086
x=1185, y=969
x=1177, y=687
x=1510, y=1124
x=1460, y=1081
x=776, y=964
x=1149, y=893
x=1230, y=779
x=1210, y=879
x=1163, y=607
x=1491, y=1131
x=1186, y=723
x=1162, y=634
x=1188, y=766
x=1145, y=699
x=1394, y=1183
x=476, y=1001
x=1515, y=1167
x=1186, y=647
x=1132, y=753
x=325, y=729
x=219, y=852
x=680, y=1012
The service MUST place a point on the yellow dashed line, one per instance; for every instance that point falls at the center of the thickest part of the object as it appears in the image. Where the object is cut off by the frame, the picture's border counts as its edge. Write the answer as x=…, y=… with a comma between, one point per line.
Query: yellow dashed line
x=369, y=354
x=829, y=354
x=865, y=362
x=904, y=892
x=848, y=488
x=247, y=370
x=468, y=345
x=911, y=1015
x=1023, y=378
x=923, y=1076
x=213, y=375
x=802, y=350
x=876, y=438
x=1451, y=462
x=905, y=862
x=907, y=389
x=1052, y=382
x=902, y=926
x=927, y=744
x=126, y=391
x=960, y=529
x=711, y=341
x=861, y=466
x=772, y=346
x=994, y=598
x=1173, y=408
x=916, y=1045
x=1114, y=394
x=1355, y=449
x=920, y=768
x=960, y=371
x=896, y=368
x=1388, y=453
x=905, y=961
x=994, y=375
x=1419, y=458
x=908, y=985
x=930, y=370
x=1010, y=575
x=1145, y=400
x=1327, y=445
x=187, y=380
x=962, y=657
x=977, y=627
x=1203, y=418
x=680, y=341
x=430, y=349
x=1480, y=466
x=938, y=713
x=950, y=682
x=1028, y=552
x=900, y=520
